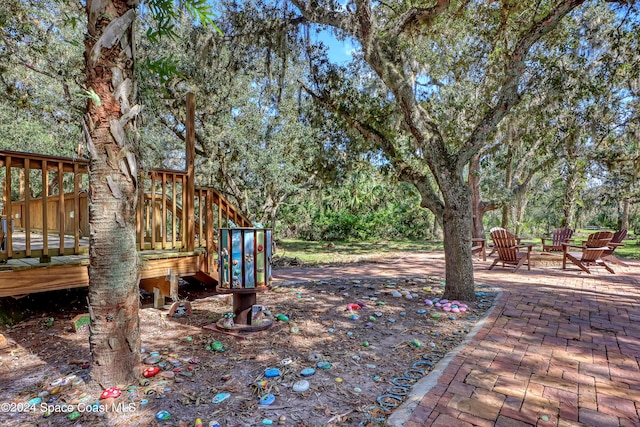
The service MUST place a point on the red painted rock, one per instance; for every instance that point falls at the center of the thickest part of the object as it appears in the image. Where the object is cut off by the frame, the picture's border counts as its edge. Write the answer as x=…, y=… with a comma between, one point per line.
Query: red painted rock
x=150, y=372
x=112, y=392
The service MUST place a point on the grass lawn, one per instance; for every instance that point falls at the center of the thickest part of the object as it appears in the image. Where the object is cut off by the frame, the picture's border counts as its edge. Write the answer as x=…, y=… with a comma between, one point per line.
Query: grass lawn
x=314, y=253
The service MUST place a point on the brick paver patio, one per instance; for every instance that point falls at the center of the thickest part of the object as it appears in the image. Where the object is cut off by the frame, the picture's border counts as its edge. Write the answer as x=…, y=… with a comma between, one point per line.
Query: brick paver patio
x=560, y=348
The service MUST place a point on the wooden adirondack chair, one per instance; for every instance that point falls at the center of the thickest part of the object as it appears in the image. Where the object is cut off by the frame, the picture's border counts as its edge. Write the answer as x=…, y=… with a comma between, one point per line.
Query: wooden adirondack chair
x=500, y=229
x=592, y=250
x=508, y=247
x=616, y=241
x=560, y=236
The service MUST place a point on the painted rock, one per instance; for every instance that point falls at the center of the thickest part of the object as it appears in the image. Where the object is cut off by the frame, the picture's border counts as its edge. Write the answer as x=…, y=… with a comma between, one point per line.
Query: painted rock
x=286, y=362
x=163, y=415
x=267, y=399
x=307, y=372
x=301, y=386
x=150, y=372
x=272, y=373
x=220, y=397
x=282, y=317
x=112, y=392
x=167, y=374
x=314, y=357
x=324, y=365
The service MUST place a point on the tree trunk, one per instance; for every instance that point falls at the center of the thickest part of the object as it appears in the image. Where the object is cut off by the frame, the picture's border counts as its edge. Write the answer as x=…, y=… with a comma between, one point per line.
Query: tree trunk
x=477, y=228
x=570, y=195
x=113, y=258
x=434, y=228
x=519, y=209
x=623, y=221
x=506, y=214
x=456, y=225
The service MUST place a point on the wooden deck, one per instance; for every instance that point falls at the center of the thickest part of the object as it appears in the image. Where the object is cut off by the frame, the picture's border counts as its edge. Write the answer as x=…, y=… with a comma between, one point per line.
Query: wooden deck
x=28, y=275
x=44, y=211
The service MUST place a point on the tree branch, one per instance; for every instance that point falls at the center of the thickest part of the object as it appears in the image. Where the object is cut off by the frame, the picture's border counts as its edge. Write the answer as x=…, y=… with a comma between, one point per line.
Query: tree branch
x=173, y=127
x=416, y=15
x=65, y=86
x=508, y=95
x=406, y=173
x=312, y=12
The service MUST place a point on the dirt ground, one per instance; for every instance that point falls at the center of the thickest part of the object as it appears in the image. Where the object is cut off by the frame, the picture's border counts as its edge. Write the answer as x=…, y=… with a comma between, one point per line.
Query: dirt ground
x=374, y=354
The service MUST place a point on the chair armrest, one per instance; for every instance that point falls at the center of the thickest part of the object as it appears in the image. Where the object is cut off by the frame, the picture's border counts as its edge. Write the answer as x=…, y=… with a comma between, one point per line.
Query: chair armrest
x=478, y=242
x=529, y=246
x=566, y=246
x=615, y=245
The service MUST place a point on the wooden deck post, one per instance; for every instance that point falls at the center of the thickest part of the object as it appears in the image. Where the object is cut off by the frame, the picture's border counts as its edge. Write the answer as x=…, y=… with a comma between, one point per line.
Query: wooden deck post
x=61, y=208
x=210, y=233
x=76, y=208
x=26, y=216
x=45, y=258
x=7, y=207
x=191, y=153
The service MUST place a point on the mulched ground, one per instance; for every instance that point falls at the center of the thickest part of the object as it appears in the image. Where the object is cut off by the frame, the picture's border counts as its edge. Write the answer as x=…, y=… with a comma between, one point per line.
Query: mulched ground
x=377, y=350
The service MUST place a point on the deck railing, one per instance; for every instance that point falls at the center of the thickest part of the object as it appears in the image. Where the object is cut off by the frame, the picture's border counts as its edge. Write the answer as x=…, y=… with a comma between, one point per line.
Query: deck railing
x=48, y=195
x=34, y=198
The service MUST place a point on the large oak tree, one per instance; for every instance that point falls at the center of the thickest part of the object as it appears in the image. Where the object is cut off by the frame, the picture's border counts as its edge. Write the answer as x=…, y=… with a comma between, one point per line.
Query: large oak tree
x=444, y=46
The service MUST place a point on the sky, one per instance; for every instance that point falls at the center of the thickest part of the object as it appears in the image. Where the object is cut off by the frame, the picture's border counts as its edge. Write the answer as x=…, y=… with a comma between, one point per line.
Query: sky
x=339, y=51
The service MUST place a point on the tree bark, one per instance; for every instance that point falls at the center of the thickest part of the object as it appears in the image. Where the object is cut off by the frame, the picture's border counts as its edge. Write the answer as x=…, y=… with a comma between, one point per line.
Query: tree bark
x=623, y=221
x=573, y=178
x=478, y=207
x=113, y=258
x=477, y=228
x=456, y=225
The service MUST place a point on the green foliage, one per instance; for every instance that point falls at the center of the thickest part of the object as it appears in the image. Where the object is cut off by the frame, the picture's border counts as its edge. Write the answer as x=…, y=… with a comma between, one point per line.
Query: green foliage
x=164, y=16
x=365, y=206
x=166, y=68
x=41, y=73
